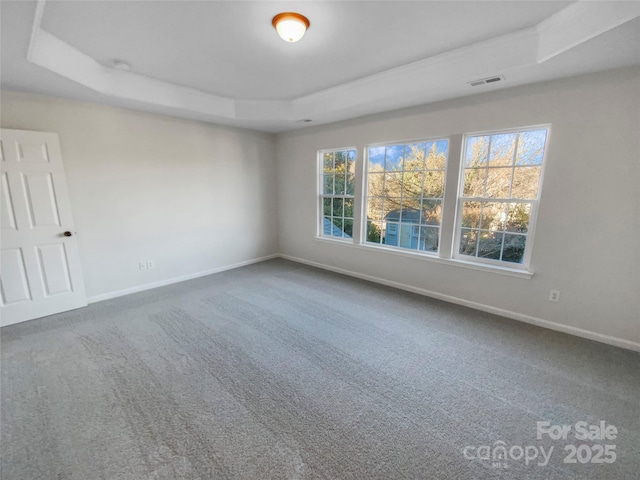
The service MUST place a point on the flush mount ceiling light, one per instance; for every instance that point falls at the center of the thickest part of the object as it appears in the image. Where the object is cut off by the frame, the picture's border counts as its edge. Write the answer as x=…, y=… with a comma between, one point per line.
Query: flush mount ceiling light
x=290, y=26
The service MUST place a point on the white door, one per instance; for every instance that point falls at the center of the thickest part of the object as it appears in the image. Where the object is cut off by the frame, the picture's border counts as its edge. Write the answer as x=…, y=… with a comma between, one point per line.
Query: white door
x=40, y=271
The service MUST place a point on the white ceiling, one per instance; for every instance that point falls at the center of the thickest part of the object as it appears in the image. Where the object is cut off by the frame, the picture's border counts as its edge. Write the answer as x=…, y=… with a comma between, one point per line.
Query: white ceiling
x=231, y=49
x=222, y=61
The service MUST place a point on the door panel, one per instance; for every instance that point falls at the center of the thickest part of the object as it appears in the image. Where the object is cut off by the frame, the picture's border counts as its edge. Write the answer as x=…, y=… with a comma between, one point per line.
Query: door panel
x=32, y=151
x=6, y=205
x=13, y=267
x=53, y=268
x=40, y=270
x=41, y=200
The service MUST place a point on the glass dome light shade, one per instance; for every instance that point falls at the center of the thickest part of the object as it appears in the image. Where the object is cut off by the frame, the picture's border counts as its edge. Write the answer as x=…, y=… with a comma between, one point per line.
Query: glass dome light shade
x=290, y=26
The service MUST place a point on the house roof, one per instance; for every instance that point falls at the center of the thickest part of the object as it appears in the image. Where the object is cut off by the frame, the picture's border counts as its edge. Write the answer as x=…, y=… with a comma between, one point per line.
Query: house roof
x=408, y=215
x=328, y=228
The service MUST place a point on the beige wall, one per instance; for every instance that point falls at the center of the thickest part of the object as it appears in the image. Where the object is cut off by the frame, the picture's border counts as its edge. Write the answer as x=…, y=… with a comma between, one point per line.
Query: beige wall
x=196, y=197
x=587, y=242
x=192, y=197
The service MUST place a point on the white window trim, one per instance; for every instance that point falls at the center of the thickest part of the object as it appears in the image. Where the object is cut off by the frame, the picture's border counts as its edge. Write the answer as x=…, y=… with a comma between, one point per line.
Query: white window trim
x=365, y=195
x=451, y=216
x=320, y=196
x=535, y=202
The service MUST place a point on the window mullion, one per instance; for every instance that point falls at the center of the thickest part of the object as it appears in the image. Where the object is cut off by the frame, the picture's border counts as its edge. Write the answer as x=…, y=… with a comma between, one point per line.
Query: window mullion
x=424, y=174
x=453, y=180
x=359, y=196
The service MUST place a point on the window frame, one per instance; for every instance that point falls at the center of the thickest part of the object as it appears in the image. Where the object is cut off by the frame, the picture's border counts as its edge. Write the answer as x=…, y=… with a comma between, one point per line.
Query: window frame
x=321, y=195
x=365, y=196
x=534, y=202
x=451, y=204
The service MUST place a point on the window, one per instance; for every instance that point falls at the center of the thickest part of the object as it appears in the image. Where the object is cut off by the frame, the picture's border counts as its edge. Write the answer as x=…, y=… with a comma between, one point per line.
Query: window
x=499, y=190
x=405, y=187
x=336, y=200
x=489, y=219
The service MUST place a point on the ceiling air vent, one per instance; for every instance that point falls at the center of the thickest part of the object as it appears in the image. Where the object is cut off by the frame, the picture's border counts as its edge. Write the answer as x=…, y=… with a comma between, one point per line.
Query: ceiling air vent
x=484, y=81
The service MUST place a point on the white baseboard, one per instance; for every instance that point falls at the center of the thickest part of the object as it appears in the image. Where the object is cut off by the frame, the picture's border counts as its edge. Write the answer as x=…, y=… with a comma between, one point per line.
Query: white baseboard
x=170, y=281
x=579, y=332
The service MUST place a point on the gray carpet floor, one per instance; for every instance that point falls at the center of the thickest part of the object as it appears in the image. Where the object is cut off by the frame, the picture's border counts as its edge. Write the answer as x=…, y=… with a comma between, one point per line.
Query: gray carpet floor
x=282, y=371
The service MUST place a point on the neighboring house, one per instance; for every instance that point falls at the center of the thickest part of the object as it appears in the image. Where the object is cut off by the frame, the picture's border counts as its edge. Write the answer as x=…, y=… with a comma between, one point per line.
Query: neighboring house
x=402, y=228
x=328, y=228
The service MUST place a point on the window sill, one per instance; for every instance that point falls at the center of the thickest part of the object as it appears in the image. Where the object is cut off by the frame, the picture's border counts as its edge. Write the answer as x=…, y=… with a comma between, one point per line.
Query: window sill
x=430, y=257
x=330, y=239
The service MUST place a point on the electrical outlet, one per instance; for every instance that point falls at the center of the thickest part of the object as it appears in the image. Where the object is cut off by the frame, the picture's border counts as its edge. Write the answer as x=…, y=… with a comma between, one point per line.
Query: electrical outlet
x=150, y=264
x=142, y=265
x=554, y=295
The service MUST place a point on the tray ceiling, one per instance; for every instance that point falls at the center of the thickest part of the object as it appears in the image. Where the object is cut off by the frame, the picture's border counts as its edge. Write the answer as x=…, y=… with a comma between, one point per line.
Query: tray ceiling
x=221, y=61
